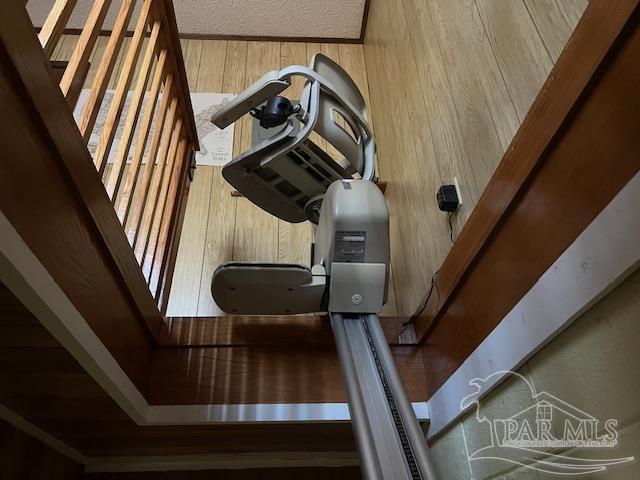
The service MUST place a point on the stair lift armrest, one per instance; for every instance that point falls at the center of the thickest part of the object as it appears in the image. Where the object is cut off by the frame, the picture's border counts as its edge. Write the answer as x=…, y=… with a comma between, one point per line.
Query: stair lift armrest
x=267, y=86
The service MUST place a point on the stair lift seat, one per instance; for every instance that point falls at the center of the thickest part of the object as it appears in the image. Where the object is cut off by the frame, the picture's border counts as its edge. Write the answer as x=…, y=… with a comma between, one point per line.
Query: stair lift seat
x=291, y=177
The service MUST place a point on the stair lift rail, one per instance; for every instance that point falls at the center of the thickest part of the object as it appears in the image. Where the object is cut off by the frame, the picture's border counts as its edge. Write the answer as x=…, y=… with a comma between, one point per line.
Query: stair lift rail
x=390, y=442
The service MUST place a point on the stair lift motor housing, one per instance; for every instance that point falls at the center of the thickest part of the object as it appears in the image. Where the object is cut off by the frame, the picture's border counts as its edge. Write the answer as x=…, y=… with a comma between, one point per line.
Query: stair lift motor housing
x=352, y=243
x=352, y=270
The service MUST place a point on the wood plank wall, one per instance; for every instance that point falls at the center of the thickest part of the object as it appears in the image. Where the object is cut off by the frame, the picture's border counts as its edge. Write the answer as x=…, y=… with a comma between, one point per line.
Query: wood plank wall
x=450, y=82
x=22, y=456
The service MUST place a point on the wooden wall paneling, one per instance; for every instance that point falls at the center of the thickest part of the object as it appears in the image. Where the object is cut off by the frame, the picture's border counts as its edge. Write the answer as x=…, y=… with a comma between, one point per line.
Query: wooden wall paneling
x=374, y=54
x=404, y=142
x=65, y=48
x=586, y=112
x=486, y=112
x=188, y=269
x=519, y=50
x=224, y=72
x=22, y=456
x=555, y=20
x=256, y=231
x=453, y=159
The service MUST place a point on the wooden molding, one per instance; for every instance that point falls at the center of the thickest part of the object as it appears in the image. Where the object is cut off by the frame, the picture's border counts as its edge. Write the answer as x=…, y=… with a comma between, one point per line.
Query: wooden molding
x=574, y=151
x=244, y=38
x=365, y=20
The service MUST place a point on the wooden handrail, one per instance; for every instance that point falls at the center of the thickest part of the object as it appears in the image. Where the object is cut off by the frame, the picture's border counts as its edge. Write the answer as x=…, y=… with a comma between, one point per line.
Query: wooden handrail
x=135, y=131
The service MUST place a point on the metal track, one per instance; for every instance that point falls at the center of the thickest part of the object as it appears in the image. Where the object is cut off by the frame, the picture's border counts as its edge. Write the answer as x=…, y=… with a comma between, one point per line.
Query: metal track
x=397, y=419
x=389, y=439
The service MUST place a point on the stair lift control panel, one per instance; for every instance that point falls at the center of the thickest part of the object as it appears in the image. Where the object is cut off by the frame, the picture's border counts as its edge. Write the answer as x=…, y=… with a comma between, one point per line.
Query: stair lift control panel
x=291, y=177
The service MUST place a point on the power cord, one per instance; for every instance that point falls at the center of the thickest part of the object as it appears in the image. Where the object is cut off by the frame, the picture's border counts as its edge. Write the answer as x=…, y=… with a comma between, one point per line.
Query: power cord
x=451, y=226
x=413, y=317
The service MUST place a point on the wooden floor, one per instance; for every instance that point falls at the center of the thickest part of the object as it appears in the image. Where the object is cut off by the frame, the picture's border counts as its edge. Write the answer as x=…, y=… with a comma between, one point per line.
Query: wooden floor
x=219, y=227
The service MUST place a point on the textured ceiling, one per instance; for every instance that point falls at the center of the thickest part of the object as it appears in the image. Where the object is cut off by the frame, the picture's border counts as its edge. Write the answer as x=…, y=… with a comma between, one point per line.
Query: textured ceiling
x=272, y=18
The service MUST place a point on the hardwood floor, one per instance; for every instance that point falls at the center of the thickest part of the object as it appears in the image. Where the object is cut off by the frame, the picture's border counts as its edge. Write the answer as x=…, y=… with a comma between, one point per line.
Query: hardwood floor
x=450, y=83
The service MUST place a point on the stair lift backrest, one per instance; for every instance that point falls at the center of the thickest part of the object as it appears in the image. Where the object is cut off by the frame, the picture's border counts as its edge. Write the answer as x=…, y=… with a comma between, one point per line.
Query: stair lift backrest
x=284, y=172
x=288, y=174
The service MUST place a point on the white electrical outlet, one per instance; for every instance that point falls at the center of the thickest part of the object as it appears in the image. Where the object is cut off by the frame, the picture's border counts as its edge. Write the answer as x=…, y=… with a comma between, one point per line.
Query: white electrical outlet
x=455, y=182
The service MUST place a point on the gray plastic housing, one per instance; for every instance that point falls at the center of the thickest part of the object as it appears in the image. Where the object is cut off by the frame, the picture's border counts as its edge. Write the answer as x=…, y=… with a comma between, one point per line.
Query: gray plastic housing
x=353, y=227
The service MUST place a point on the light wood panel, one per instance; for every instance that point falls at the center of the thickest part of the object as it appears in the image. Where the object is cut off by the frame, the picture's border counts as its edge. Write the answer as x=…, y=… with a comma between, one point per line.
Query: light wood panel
x=555, y=20
x=450, y=81
x=219, y=227
x=586, y=112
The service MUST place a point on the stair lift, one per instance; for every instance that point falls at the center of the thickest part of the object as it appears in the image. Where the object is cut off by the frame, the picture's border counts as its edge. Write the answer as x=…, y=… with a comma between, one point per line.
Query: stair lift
x=289, y=176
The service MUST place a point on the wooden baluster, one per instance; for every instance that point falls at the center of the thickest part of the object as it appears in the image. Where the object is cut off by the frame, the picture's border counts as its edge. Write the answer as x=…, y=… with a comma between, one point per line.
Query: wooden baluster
x=105, y=69
x=143, y=228
x=122, y=88
x=158, y=257
x=165, y=276
x=55, y=24
x=71, y=82
x=152, y=238
x=115, y=178
x=133, y=213
x=143, y=136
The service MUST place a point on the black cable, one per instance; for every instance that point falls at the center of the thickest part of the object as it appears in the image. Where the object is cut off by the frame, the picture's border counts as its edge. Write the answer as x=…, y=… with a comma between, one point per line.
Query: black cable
x=413, y=317
x=451, y=227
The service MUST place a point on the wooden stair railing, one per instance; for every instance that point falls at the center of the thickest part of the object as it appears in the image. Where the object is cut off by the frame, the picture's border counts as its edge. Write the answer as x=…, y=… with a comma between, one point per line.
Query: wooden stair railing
x=146, y=181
